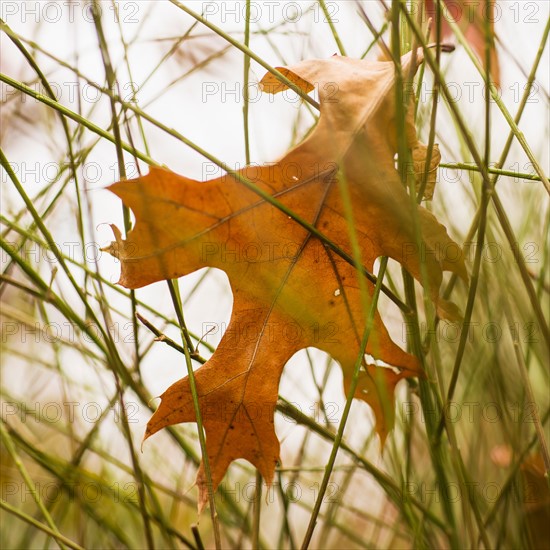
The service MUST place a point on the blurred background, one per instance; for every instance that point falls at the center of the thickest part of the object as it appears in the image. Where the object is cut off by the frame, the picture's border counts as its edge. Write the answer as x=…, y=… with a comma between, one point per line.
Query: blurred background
x=71, y=345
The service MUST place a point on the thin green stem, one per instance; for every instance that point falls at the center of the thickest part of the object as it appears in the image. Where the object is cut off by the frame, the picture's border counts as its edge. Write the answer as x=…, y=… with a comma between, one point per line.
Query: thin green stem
x=257, y=509
x=347, y=407
x=111, y=83
x=246, y=100
x=31, y=487
x=332, y=28
x=61, y=539
x=491, y=170
x=174, y=294
x=531, y=399
x=220, y=32
x=496, y=97
x=501, y=212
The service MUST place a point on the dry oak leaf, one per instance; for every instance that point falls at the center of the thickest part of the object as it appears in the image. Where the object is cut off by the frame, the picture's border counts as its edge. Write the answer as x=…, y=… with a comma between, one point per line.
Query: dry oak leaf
x=290, y=291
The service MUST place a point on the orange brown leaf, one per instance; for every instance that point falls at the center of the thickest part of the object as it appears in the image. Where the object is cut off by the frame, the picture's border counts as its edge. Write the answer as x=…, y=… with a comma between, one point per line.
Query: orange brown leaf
x=289, y=283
